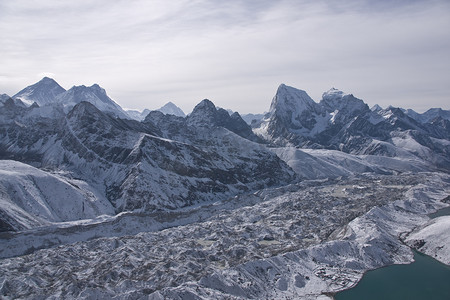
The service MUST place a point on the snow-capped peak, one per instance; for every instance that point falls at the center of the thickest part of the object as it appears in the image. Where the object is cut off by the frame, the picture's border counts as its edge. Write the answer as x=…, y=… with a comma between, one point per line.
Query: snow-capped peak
x=291, y=99
x=48, y=92
x=333, y=93
x=203, y=114
x=335, y=99
x=43, y=92
x=376, y=108
x=291, y=110
x=93, y=94
x=171, y=109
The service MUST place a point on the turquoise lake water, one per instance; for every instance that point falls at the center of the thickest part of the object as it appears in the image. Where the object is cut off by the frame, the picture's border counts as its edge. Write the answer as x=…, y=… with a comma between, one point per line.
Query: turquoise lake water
x=442, y=212
x=425, y=278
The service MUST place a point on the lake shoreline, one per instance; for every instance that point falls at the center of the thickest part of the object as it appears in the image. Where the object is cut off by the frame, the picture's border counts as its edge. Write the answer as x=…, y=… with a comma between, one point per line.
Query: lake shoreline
x=445, y=211
x=412, y=281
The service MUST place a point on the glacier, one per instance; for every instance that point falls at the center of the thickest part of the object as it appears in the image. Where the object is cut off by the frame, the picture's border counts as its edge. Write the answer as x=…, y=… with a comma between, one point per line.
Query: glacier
x=275, y=244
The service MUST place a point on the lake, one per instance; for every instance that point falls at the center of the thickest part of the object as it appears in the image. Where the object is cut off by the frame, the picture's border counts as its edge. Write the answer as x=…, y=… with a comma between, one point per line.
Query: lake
x=425, y=278
x=442, y=212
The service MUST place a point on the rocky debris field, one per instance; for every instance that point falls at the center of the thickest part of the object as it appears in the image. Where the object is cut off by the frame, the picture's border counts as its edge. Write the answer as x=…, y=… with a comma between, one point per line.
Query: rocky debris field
x=197, y=257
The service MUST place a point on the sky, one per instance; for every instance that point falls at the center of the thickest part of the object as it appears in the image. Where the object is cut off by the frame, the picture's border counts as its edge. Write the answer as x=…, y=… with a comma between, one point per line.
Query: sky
x=235, y=53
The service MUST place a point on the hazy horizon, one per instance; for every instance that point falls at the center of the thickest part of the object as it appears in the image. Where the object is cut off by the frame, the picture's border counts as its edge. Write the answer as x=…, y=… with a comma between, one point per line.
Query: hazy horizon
x=235, y=53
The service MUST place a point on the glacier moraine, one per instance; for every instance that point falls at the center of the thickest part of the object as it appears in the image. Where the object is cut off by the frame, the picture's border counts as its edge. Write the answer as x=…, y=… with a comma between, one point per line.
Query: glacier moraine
x=303, y=240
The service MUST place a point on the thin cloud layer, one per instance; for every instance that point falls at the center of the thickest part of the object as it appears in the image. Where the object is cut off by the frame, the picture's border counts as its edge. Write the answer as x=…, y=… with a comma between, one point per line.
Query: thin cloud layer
x=145, y=53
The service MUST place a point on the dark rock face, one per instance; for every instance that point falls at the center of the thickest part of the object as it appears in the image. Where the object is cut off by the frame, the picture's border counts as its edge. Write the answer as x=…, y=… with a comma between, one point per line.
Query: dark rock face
x=205, y=114
x=293, y=109
x=163, y=162
x=237, y=125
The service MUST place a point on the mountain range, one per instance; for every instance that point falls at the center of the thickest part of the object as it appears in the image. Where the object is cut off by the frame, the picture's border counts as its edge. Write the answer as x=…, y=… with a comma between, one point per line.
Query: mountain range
x=101, y=202
x=48, y=92
x=345, y=123
x=163, y=162
x=169, y=109
x=169, y=160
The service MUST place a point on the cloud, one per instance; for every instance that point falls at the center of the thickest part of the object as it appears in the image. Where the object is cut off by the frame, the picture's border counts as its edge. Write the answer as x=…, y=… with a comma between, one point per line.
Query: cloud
x=234, y=52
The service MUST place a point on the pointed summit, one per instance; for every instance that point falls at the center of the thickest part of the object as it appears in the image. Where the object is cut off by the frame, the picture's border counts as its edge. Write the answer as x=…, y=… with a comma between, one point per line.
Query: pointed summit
x=376, y=108
x=333, y=93
x=85, y=109
x=292, y=109
x=288, y=100
x=48, y=92
x=204, y=114
x=47, y=80
x=43, y=92
x=171, y=109
x=205, y=104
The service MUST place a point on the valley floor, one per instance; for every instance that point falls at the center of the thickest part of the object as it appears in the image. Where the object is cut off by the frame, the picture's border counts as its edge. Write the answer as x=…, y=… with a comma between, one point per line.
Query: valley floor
x=305, y=240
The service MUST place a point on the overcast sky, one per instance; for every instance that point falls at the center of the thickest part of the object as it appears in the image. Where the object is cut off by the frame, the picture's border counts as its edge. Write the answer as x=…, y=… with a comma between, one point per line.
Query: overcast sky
x=235, y=52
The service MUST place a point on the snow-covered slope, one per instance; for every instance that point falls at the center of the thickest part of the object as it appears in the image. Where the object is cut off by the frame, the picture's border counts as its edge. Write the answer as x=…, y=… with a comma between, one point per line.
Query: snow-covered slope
x=433, y=238
x=43, y=92
x=30, y=197
x=323, y=163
